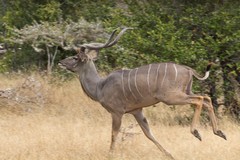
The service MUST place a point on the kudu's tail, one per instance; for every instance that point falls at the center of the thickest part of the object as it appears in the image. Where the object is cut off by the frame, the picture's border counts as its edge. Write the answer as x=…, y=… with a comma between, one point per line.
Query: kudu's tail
x=195, y=74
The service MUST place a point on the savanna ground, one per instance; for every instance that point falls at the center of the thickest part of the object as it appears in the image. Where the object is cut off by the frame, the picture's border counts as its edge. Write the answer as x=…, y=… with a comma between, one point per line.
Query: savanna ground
x=70, y=126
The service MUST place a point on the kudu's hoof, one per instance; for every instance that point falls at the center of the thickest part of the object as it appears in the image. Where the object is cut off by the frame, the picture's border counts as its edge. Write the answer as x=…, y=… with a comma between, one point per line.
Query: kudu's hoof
x=220, y=134
x=196, y=134
x=169, y=156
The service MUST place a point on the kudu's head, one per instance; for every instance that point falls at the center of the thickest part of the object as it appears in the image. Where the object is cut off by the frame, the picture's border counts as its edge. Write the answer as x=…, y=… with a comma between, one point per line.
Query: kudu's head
x=88, y=52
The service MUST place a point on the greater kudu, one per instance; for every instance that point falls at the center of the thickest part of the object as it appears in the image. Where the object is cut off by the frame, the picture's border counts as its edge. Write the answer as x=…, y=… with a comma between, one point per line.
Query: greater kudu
x=129, y=91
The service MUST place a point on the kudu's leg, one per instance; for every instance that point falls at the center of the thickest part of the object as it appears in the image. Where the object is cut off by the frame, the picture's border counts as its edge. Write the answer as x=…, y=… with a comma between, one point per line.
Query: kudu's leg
x=208, y=104
x=181, y=98
x=142, y=121
x=116, y=124
x=198, y=102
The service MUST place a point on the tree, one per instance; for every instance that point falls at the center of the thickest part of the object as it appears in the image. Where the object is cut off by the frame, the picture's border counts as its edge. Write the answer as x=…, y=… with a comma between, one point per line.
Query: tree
x=49, y=37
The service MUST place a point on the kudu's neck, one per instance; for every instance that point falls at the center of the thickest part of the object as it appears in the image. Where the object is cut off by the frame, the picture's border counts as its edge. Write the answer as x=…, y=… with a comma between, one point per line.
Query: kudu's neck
x=89, y=79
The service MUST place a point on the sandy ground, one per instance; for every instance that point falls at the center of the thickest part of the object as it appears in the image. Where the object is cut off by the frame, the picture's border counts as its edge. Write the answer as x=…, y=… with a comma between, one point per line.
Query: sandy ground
x=71, y=126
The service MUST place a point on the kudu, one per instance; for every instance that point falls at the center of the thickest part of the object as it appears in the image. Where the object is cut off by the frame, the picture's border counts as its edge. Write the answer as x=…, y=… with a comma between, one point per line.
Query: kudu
x=129, y=91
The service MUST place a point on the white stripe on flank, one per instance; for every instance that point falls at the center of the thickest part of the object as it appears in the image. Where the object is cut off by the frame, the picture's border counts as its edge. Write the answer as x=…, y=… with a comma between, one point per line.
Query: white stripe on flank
x=123, y=87
x=190, y=78
x=135, y=80
x=148, y=82
x=157, y=72
x=164, y=74
x=129, y=85
x=176, y=73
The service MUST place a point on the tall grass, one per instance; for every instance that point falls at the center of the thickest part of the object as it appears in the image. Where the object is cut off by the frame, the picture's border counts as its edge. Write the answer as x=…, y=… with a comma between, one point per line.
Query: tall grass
x=70, y=126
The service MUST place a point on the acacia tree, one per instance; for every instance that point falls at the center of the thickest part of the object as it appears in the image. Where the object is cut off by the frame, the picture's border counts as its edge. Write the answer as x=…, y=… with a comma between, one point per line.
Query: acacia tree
x=48, y=37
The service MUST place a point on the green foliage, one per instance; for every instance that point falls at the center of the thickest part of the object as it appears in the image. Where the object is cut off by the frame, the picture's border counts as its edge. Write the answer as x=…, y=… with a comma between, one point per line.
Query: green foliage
x=50, y=11
x=22, y=59
x=157, y=33
x=186, y=33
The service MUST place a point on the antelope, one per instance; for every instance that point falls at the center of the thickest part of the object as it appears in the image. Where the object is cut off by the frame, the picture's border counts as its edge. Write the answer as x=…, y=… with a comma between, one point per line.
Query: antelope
x=130, y=90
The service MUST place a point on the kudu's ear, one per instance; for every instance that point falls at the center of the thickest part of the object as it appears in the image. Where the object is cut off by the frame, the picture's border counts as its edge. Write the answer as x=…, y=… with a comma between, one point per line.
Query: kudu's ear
x=85, y=54
x=81, y=54
x=92, y=54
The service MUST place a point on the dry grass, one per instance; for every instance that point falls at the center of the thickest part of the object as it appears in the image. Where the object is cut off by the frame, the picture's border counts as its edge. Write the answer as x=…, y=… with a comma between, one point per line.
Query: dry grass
x=72, y=127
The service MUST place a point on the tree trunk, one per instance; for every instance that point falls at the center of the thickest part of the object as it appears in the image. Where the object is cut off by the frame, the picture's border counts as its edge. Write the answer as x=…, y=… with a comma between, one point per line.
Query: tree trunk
x=213, y=93
x=231, y=91
x=51, y=59
x=49, y=68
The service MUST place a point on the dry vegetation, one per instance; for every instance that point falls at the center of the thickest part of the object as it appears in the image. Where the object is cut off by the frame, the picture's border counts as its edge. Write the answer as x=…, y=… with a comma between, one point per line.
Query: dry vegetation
x=70, y=126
